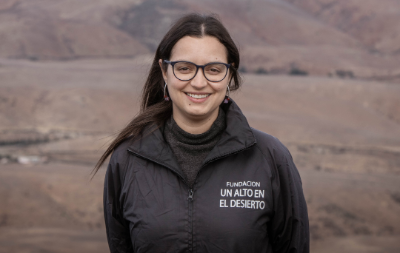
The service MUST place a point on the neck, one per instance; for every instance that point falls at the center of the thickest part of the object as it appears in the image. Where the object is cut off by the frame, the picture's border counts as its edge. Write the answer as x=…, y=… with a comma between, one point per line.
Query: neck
x=195, y=126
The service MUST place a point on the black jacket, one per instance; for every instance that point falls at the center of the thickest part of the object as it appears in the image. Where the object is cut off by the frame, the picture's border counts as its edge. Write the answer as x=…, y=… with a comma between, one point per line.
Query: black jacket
x=247, y=196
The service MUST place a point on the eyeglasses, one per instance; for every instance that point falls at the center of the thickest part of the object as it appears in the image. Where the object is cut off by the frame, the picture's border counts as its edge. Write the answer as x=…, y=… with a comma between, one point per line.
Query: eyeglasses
x=186, y=71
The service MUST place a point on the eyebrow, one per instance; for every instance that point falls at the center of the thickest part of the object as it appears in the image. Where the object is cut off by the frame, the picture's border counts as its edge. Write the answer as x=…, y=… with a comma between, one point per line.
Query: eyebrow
x=199, y=64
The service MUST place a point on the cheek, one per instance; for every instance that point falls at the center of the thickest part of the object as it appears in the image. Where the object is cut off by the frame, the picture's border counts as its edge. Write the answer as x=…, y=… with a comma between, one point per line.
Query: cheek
x=169, y=76
x=175, y=87
x=220, y=87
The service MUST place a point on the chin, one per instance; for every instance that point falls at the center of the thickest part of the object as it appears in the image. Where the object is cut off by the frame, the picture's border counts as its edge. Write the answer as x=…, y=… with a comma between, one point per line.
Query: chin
x=200, y=113
x=197, y=113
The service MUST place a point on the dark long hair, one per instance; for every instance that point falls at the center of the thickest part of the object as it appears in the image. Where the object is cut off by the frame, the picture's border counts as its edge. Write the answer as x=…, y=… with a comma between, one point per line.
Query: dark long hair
x=154, y=109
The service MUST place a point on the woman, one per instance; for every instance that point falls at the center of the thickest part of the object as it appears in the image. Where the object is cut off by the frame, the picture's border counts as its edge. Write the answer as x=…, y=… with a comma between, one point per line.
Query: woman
x=189, y=174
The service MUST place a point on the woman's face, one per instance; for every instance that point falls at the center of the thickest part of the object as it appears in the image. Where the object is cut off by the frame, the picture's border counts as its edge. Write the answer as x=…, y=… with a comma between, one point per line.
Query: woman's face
x=198, y=98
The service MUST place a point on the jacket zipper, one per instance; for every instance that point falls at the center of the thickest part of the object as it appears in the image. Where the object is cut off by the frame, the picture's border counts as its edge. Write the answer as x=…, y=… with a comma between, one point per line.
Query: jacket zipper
x=190, y=216
x=190, y=197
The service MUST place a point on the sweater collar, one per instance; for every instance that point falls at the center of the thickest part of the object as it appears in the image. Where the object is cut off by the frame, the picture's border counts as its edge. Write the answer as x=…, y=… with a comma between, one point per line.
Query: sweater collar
x=180, y=135
x=237, y=136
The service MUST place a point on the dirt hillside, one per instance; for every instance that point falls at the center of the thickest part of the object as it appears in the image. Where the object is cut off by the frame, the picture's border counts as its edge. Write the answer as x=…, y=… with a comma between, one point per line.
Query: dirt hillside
x=344, y=136
x=316, y=37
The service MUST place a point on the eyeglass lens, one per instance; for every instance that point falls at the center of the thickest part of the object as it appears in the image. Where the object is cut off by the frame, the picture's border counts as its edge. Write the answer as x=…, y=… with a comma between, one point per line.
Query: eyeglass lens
x=213, y=72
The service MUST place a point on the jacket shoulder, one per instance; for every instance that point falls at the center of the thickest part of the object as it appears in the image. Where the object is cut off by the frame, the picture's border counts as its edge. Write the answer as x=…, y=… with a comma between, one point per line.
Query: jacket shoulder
x=121, y=151
x=271, y=146
x=119, y=160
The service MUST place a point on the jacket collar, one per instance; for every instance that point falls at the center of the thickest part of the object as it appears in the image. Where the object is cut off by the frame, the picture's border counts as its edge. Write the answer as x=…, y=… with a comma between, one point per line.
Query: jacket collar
x=236, y=137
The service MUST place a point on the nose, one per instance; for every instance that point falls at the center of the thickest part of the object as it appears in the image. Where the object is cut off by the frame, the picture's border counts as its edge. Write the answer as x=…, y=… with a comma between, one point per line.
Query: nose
x=199, y=81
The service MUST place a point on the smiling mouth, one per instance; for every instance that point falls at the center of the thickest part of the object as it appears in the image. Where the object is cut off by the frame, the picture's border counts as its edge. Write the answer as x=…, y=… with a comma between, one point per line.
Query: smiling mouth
x=197, y=95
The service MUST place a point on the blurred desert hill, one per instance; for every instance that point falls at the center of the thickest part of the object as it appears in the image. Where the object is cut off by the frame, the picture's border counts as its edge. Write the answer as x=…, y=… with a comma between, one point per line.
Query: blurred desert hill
x=317, y=37
x=374, y=23
x=57, y=117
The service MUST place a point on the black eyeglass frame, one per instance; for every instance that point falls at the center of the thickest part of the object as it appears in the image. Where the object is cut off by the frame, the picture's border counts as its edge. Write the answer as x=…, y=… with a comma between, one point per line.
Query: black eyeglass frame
x=197, y=69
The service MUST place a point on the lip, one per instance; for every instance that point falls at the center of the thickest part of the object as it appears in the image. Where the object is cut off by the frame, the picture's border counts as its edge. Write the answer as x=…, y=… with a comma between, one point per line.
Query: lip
x=197, y=100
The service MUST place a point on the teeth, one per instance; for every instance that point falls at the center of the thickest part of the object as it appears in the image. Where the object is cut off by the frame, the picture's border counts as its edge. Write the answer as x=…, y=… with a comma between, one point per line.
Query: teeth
x=197, y=96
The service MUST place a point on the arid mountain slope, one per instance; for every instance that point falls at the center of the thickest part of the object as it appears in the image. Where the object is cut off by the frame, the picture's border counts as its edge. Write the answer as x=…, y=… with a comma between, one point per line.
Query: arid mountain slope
x=318, y=37
x=41, y=29
x=376, y=24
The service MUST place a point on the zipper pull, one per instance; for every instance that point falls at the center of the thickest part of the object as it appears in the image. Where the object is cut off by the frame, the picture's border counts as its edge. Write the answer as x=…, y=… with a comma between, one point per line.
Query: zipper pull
x=190, y=194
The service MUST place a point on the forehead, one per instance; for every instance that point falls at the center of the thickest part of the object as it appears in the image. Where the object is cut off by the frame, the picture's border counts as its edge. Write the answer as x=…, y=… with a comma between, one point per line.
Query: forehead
x=199, y=50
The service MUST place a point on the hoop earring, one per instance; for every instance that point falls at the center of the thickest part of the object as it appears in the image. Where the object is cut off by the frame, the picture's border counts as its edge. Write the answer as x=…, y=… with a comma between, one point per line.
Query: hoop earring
x=226, y=100
x=166, y=98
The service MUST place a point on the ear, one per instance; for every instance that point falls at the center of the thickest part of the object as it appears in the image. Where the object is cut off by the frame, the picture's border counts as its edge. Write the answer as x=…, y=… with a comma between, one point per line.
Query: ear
x=160, y=62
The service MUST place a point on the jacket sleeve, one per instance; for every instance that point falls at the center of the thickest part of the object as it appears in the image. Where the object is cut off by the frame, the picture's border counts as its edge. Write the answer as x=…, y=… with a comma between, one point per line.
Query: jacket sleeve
x=117, y=227
x=289, y=228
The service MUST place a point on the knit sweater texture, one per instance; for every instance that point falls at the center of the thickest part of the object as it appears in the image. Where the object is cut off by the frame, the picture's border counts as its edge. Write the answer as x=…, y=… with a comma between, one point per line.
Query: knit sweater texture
x=191, y=150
